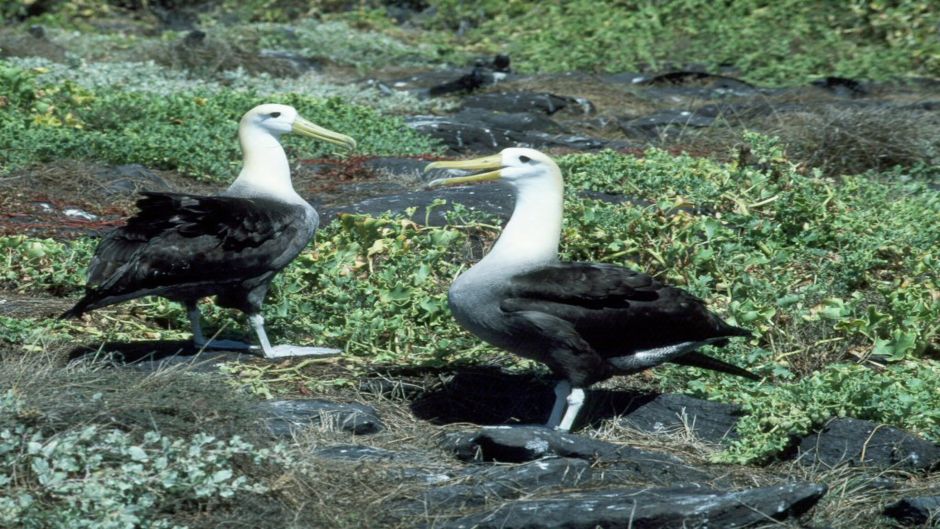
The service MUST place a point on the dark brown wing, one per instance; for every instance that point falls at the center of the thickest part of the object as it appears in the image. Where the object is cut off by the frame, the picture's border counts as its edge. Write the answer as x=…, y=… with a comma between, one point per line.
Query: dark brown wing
x=178, y=242
x=617, y=310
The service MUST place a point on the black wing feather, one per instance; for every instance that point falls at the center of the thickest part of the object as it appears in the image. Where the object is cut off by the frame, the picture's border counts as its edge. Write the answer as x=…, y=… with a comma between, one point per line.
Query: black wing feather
x=615, y=309
x=181, y=240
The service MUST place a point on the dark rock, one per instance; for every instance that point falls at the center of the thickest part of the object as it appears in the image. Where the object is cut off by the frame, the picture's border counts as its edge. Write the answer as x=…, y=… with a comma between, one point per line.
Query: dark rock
x=650, y=508
x=155, y=355
x=484, y=73
x=841, y=86
x=402, y=168
x=930, y=106
x=652, y=124
x=352, y=452
x=130, y=179
x=285, y=417
x=520, y=102
x=478, y=130
x=421, y=82
x=502, y=63
x=637, y=78
x=516, y=444
x=701, y=79
x=494, y=199
x=712, y=422
x=918, y=510
x=856, y=442
x=477, y=78
x=195, y=37
x=504, y=482
x=510, y=121
x=298, y=64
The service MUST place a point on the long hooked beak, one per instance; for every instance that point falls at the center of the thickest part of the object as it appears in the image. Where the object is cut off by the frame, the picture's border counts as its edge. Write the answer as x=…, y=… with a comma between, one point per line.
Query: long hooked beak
x=494, y=163
x=302, y=126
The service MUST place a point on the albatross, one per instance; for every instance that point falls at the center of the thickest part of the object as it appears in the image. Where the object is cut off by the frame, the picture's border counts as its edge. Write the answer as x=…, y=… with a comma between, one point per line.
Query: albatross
x=186, y=247
x=586, y=321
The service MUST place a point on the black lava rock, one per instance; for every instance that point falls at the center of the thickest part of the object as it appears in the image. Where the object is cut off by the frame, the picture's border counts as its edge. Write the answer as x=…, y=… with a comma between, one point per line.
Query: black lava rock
x=688, y=78
x=650, y=508
x=709, y=421
x=530, y=443
x=130, y=179
x=542, y=102
x=649, y=126
x=915, y=511
x=841, y=86
x=857, y=442
x=495, y=199
x=285, y=417
x=479, y=130
x=504, y=482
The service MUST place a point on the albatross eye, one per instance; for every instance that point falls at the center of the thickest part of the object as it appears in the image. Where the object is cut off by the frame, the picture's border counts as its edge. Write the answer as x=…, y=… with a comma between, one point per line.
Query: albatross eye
x=275, y=114
x=525, y=159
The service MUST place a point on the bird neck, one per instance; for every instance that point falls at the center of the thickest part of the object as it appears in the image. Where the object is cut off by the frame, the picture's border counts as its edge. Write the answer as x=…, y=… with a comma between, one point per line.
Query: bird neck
x=265, y=169
x=532, y=234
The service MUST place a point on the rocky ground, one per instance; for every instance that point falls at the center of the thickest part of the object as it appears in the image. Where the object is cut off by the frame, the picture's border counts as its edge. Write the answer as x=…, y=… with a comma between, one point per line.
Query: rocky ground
x=456, y=447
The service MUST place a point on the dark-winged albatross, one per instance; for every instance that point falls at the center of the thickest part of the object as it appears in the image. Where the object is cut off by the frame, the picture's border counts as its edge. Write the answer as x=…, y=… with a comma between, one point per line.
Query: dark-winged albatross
x=586, y=321
x=186, y=247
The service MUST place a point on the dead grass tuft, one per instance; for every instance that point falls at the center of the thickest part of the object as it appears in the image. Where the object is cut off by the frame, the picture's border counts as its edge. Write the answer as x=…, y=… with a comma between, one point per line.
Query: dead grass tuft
x=854, y=139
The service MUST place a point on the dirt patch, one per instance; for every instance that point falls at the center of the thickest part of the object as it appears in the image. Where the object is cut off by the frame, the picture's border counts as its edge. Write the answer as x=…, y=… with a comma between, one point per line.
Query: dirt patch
x=69, y=198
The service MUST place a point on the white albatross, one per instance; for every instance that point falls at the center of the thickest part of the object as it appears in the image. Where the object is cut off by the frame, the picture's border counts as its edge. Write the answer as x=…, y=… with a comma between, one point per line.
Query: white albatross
x=586, y=321
x=186, y=247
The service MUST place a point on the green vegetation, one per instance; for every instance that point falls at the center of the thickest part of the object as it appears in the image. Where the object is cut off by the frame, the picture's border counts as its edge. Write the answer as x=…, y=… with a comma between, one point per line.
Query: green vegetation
x=826, y=274
x=788, y=42
x=785, y=42
x=193, y=132
x=821, y=235
x=95, y=477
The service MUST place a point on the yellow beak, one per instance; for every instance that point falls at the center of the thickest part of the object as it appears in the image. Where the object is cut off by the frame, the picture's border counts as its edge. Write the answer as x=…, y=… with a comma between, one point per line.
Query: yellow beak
x=302, y=126
x=494, y=163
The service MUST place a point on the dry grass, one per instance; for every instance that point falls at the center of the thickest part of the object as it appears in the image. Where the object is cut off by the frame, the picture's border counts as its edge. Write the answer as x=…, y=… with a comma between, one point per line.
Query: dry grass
x=324, y=492
x=854, y=139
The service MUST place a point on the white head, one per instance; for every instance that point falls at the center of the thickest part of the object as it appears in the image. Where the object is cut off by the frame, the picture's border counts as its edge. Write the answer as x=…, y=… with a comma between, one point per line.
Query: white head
x=531, y=235
x=265, y=169
x=521, y=167
x=272, y=118
x=276, y=119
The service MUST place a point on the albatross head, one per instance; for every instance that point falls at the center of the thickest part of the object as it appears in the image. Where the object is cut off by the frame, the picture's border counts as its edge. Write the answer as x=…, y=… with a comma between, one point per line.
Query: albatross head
x=277, y=119
x=523, y=168
x=531, y=235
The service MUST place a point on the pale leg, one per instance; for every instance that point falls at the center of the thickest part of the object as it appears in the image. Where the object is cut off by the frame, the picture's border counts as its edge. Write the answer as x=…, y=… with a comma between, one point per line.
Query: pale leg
x=199, y=339
x=285, y=351
x=192, y=311
x=575, y=401
x=562, y=389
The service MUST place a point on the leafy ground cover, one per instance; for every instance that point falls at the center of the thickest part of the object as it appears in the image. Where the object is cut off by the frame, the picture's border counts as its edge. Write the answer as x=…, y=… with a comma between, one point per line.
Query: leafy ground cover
x=768, y=42
x=833, y=266
x=837, y=279
x=774, y=43
x=192, y=131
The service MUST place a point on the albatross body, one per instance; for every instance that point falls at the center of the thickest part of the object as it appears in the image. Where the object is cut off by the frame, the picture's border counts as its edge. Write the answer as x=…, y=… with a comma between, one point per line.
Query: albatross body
x=586, y=321
x=186, y=247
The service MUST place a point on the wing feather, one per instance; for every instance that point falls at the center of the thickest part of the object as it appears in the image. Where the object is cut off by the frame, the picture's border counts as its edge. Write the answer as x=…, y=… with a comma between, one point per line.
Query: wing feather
x=180, y=240
x=615, y=309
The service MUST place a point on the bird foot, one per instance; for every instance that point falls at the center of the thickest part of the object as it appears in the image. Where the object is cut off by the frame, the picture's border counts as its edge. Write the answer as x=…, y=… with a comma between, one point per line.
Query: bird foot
x=226, y=345
x=287, y=351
